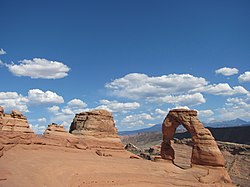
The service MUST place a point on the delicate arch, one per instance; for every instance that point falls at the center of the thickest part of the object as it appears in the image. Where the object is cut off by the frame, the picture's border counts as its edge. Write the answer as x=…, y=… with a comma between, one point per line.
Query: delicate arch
x=205, y=150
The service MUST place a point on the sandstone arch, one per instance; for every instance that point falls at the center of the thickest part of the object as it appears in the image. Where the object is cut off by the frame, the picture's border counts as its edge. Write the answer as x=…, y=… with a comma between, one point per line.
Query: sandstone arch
x=205, y=150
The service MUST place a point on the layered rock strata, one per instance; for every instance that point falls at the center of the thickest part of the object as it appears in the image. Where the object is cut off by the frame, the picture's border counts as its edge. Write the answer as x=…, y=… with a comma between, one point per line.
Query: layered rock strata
x=97, y=129
x=205, y=150
x=15, y=122
x=94, y=129
x=56, y=130
x=14, y=129
x=56, y=135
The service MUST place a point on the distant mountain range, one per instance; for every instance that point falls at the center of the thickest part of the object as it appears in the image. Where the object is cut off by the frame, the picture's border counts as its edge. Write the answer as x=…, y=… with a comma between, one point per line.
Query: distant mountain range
x=231, y=123
x=157, y=128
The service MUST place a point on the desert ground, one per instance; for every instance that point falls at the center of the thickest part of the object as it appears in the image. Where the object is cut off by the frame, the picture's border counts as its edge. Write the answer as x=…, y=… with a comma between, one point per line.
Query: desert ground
x=38, y=165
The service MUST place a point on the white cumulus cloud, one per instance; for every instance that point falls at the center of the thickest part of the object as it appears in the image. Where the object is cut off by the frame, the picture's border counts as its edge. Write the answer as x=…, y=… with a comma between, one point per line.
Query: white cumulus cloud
x=38, y=129
x=142, y=116
x=176, y=89
x=180, y=100
x=39, y=68
x=137, y=86
x=222, y=89
x=235, y=107
x=115, y=106
x=77, y=103
x=245, y=77
x=37, y=96
x=13, y=100
x=65, y=115
x=54, y=109
x=161, y=112
x=227, y=71
x=205, y=113
x=135, y=120
x=181, y=107
x=2, y=52
x=42, y=120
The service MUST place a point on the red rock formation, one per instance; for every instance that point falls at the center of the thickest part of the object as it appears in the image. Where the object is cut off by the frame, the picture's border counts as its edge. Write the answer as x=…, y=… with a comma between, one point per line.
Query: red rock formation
x=97, y=128
x=56, y=135
x=56, y=130
x=205, y=150
x=14, y=129
x=14, y=122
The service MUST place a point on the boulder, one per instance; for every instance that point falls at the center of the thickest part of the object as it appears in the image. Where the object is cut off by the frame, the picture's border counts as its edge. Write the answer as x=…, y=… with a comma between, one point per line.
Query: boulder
x=135, y=157
x=205, y=150
x=132, y=148
x=97, y=128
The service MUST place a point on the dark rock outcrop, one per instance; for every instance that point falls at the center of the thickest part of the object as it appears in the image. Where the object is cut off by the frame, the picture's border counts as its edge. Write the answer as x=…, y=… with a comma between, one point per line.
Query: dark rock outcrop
x=132, y=148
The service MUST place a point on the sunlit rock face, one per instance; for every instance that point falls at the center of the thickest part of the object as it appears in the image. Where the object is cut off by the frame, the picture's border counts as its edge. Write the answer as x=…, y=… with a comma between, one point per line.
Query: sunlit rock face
x=97, y=127
x=14, y=122
x=14, y=129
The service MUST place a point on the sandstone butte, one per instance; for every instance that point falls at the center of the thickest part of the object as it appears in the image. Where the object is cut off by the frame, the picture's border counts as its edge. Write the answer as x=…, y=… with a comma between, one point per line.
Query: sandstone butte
x=92, y=155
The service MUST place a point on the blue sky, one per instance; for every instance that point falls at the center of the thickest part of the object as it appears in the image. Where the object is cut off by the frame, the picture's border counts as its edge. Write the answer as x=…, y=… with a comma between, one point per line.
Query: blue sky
x=137, y=59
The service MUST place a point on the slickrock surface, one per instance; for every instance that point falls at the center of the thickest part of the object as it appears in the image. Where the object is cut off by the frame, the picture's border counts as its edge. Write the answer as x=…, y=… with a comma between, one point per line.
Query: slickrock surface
x=34, y=165
x=97, y=128
x=205, y=150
